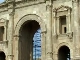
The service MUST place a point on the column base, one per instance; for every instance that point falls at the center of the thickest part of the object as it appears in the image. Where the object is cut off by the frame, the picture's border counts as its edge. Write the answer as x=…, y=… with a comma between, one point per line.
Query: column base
x=10, y=57
x=76, y=58
x=49, y=59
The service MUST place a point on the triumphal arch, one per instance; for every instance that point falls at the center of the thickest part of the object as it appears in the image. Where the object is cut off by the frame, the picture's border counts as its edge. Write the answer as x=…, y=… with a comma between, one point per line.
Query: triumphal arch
x=58, y=20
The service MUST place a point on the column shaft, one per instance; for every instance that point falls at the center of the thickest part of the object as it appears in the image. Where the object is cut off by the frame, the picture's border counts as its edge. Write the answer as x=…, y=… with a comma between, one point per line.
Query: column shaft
x=49, y=36
x=43, y=43
x=69, y=21
x=76, y=34
x=11, y=29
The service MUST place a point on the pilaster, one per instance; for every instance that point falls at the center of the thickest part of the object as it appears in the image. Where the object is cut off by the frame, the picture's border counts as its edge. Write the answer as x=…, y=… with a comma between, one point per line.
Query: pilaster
x=49, y=52
x=54, y=26
x=43, y=41
x=69, y=21
x=17, y=47
x=54, y=22
x=76, y=29
x=11, y=31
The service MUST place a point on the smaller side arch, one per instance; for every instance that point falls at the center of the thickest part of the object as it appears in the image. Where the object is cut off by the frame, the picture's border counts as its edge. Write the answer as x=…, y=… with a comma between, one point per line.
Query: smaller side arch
x=64, y=44
x=2, y=55
x=64, y=53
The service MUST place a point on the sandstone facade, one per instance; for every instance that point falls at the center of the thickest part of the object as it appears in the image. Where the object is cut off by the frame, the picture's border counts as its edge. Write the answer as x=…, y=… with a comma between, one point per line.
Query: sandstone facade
x=57, y=19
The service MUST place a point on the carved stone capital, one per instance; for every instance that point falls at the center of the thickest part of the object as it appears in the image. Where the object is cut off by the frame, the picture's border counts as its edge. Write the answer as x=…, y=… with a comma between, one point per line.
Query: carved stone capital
x=43, y=32
x=54, y=10
x=48, y=7
x=10, y=56
x=12, y=13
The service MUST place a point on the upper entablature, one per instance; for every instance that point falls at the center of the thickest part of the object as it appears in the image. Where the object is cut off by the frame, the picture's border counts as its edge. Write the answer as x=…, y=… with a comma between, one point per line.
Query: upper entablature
x=27, y=0
x=62, y=0
x=58, y=3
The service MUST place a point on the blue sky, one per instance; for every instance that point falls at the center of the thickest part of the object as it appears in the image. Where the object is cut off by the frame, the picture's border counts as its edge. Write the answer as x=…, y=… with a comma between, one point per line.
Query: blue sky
x=1, y=1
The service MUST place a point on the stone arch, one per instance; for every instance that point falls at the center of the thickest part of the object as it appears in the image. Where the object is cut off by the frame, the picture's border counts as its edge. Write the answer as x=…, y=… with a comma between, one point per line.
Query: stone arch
x=26, y=18
x=2, y=55
x=30, y=17
x=65, y=44
x=64, y=53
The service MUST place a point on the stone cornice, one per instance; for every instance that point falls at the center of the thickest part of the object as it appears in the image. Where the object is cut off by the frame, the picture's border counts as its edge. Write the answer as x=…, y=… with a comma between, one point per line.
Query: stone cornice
x=62, y=8
x=3, y=7
x=19, y=4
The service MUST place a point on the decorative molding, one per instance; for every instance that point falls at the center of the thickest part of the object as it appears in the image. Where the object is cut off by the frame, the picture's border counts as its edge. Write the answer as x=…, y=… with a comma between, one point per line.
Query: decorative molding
x=62, y=8
x=75, y=1
x=50, y=53
x=2, y=20
x=54, y=10
x=70, y=35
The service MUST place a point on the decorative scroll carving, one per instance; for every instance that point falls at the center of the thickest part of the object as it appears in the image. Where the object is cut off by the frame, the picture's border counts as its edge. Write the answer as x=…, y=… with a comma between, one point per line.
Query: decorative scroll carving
x=70, y=35
x=63, y=8
x=51, y=53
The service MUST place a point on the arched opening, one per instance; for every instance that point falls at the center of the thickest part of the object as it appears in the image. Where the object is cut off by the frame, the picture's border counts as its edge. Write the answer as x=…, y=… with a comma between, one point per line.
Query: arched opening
x=2, y=56
x=64, y=53
x=26, y=41
x=37, y=45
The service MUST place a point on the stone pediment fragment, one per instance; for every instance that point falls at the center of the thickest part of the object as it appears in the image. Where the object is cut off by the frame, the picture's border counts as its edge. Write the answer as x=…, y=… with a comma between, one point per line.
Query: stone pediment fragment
x=63, y=8
x=2, y=20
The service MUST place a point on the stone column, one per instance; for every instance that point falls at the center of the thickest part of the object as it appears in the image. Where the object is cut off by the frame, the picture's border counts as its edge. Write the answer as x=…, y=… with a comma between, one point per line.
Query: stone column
x=5, y=30
x=69, y=20
x=67, y=24
x=49, y=35
x=54, y=31
x=54, y=22
x=10, y=43
x=55, y=56
x=57, y=26
x=43, y=45
x=10, y=29
x=54, y=26
x=17, y=47
x=11, y=32
x=76, y=29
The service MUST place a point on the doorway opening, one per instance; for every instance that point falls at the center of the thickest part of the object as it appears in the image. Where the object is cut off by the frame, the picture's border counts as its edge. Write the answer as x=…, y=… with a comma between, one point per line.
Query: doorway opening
x=28, y=42
x=2, y=56
x=64, y=53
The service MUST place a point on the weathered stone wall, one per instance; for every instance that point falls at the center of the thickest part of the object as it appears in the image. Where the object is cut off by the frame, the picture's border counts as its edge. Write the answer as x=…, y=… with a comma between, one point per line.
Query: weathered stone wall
x=45, y=15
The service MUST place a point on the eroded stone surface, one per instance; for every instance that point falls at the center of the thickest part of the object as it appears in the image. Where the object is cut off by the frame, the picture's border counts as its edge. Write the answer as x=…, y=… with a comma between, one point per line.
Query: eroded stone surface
x=59, y=23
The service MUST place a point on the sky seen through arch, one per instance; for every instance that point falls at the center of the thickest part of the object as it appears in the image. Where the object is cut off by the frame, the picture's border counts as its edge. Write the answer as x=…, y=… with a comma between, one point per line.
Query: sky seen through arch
x=2, y=1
